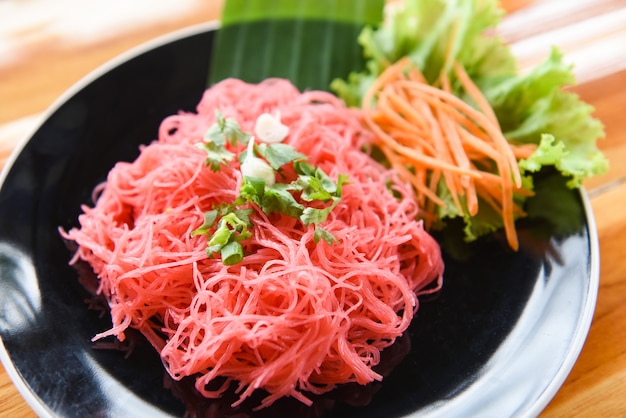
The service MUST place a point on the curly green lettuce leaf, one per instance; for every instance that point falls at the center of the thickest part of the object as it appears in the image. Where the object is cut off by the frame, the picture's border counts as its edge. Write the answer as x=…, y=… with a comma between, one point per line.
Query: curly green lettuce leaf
x=534, y=108
x=433, y=33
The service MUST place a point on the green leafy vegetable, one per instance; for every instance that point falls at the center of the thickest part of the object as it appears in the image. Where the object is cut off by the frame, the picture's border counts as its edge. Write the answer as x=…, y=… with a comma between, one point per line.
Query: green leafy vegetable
x=224, y=131
x=277, y=155
x=322, y=234
x=278, y=198
x=531, y=108
x=216, y=154
x=556, y=209
x=226, y=225
x=312, y=184
x=433, y=33
x=534, y=104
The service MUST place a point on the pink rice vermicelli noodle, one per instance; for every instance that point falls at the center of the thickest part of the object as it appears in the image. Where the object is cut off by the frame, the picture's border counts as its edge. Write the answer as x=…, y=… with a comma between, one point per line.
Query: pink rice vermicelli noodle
x=294, y=316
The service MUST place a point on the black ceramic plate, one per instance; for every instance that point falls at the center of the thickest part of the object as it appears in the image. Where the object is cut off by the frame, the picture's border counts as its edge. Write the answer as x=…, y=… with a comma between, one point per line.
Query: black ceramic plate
x=498, y=340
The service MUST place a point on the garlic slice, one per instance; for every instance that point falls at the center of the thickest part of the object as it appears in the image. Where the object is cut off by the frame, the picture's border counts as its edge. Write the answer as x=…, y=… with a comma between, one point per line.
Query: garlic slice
x=253, y=166
x=269, y=129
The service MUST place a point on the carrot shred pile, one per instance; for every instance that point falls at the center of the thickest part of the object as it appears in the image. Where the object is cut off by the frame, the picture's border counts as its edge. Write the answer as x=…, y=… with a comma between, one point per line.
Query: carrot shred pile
x=295, y=316
x=430, y=135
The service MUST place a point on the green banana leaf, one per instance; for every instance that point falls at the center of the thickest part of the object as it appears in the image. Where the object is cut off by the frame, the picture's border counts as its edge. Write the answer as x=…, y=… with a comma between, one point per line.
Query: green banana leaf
x=310, y=42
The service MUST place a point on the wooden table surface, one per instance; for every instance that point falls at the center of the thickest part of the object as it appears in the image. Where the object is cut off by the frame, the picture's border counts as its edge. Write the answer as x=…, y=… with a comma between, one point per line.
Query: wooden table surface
x=46, y=46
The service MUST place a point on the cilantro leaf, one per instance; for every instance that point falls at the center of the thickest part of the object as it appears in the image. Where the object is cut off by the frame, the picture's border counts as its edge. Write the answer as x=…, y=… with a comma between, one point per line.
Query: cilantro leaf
x=226, y=130
x=278, y=198
x=314, y=216
x=304, y=168
x=209, y=220
x=277, y=155
x=313, y=189
x=216, y=155
x=252, y=190
x=316, y=184
x=223, y=131
x=322, y=234
x=317, y=216
x=244, y=215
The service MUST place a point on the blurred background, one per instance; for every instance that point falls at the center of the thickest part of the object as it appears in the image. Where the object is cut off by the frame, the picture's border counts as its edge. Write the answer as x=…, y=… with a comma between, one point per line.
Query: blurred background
x=68, y=38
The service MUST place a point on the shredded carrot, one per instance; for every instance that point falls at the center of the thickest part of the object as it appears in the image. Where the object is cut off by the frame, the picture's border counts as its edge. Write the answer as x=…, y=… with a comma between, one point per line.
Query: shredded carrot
x=294, y=317
x=442, y=138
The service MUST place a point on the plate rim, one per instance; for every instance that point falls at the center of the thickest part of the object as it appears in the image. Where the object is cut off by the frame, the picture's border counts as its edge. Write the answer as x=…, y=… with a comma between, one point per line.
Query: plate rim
x=585, y=318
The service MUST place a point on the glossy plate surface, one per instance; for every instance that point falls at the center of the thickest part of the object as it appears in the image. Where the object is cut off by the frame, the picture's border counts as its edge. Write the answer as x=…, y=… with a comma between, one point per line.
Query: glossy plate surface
x=498, y=340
